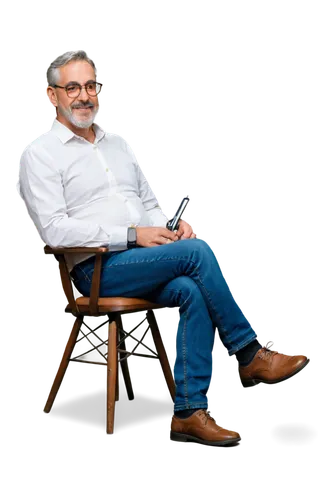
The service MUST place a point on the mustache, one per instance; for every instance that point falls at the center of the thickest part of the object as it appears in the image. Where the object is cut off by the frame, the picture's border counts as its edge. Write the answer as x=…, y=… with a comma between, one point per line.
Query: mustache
x=82, y=105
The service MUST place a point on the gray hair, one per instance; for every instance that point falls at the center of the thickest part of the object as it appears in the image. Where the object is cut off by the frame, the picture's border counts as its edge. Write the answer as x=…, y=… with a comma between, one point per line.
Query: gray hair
x=52, y=73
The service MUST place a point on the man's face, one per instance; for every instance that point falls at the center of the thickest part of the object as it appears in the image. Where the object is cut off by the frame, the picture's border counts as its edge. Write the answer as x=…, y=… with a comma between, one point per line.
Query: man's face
x=79, y=111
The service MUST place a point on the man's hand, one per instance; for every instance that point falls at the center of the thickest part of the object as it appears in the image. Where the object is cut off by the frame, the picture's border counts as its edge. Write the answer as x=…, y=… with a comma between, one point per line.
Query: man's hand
x=185, y=231
x=154, y=236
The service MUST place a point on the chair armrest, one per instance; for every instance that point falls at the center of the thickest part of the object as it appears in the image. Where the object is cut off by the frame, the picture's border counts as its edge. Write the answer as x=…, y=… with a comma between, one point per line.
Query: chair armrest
x=63, y=250
x=59, y=254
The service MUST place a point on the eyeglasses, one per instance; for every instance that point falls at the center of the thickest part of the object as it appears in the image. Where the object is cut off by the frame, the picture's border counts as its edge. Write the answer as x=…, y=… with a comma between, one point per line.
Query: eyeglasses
x=74, y=89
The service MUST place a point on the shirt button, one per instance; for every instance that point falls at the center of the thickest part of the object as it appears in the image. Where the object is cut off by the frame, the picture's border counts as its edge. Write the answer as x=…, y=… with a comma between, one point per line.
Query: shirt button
x=107, y=169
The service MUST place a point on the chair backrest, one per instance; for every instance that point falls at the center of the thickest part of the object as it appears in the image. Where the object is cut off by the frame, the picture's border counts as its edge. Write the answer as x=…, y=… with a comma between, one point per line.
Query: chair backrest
x=67, y=286
x=66, y=282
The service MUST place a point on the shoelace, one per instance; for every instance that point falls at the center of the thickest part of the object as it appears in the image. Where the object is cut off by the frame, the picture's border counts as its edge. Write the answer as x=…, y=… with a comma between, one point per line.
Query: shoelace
x=207, y=415
x=268, y=351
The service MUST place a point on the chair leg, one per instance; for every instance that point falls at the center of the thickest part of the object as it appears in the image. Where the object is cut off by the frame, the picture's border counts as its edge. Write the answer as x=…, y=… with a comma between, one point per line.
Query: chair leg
x=125, y=367
x=112, y=368
x=64, y=363
x=161, y=353
x=127, y=375
x=117, y=382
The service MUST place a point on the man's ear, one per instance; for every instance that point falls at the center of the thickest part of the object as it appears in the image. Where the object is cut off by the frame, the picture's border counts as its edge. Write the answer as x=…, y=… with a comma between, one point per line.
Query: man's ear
x=52, y=96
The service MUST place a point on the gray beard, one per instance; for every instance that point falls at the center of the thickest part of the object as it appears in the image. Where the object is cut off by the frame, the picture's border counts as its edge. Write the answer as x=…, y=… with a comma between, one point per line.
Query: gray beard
x=78, y=123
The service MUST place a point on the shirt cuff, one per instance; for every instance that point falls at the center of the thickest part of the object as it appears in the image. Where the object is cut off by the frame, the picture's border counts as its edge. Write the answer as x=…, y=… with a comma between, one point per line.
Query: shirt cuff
x=118, y=239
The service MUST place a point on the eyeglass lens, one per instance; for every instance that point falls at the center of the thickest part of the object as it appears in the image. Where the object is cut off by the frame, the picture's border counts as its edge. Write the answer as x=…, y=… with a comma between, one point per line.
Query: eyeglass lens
x=92, y=89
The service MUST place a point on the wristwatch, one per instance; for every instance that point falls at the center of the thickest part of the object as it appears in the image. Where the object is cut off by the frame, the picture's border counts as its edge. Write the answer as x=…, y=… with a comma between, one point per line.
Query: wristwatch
x=131, y=236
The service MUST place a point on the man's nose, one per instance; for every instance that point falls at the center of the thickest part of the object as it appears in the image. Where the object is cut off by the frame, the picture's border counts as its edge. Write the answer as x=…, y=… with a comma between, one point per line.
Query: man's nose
x=84, y=94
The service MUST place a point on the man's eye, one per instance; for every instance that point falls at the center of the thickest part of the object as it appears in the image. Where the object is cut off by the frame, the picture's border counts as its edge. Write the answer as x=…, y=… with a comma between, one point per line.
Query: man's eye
x=91, y=86
x=72, y=88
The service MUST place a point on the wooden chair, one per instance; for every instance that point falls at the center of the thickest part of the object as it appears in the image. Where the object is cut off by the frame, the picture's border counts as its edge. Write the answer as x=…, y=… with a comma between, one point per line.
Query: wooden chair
x=114, y=308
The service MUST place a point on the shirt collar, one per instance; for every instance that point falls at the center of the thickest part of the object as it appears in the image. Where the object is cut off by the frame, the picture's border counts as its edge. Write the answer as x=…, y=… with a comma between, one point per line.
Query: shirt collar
x=65, y=134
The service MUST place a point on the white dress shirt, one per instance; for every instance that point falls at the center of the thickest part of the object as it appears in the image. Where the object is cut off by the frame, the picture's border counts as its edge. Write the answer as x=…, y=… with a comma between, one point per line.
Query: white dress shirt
x=83, y=194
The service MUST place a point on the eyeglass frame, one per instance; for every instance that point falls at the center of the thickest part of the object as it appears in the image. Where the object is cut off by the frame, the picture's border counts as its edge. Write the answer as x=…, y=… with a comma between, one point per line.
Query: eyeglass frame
x=80, y=86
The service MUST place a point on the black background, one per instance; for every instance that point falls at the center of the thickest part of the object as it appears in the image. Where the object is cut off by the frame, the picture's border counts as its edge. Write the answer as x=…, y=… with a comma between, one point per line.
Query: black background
x=232, y=134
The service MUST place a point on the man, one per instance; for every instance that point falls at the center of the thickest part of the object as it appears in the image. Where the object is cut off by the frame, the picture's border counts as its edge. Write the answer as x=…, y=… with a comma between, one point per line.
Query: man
x=84, y=187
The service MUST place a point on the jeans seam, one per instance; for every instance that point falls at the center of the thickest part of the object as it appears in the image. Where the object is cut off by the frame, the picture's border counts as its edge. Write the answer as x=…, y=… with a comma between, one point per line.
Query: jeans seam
x=147, y=261
x=232, y=351
x=210, y=301
x=184, y=359
x=134, y=263
x=85, y=276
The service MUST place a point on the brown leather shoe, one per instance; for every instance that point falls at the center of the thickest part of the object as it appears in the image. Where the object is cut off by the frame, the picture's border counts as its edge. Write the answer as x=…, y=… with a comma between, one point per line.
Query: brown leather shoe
x=201, y=428
x=270, y=367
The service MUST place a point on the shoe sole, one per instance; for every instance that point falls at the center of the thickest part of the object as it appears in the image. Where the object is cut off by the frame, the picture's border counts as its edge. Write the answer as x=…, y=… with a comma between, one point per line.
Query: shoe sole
x=186, y=438
x=250, y=382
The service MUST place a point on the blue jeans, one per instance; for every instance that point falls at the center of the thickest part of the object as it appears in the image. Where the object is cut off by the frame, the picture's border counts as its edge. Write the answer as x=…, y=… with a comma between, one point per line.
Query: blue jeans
x=182, y=274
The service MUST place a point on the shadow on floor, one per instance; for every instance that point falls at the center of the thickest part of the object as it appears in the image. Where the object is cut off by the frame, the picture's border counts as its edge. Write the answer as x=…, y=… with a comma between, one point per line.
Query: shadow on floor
x=294, y=433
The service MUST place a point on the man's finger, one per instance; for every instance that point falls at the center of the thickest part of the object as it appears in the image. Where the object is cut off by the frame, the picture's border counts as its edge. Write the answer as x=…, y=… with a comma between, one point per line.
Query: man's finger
x=170, y=235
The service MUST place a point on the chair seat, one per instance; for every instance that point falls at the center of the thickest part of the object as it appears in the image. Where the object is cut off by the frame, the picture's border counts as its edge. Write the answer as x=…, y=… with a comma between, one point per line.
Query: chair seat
x=115, y=304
